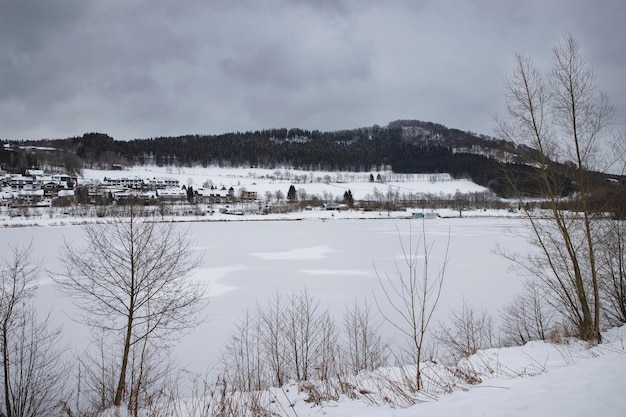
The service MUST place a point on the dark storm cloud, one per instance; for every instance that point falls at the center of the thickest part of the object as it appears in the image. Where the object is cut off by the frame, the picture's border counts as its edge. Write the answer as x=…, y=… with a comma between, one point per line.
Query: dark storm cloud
x=26, y=25
x=138, y=68
x=26, y=31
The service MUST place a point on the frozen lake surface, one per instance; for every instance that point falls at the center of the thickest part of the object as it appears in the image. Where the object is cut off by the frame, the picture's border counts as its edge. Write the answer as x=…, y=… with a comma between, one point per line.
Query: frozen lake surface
x=337, y=261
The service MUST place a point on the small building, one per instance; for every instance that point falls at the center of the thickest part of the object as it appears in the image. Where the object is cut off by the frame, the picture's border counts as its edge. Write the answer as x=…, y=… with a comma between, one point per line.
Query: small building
x=64, y=181
x=22, y=182
x=127, y=182
x=27, y=198
x=173, y=194
x=34, y=173
x=336, y=206
x=159, y=183
x=50, y=189
x=248, y=195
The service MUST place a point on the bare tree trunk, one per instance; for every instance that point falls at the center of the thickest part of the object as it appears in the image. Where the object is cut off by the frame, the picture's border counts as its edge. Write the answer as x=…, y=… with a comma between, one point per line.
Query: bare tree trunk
x=6, y=371
x=121, y=383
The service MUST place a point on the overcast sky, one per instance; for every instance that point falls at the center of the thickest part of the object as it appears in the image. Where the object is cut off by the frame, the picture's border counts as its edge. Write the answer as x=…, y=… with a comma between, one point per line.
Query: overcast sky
x=146, y=68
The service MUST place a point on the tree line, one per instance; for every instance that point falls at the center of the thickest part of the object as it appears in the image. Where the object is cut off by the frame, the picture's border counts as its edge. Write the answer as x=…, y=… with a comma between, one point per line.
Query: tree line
x=405, y=146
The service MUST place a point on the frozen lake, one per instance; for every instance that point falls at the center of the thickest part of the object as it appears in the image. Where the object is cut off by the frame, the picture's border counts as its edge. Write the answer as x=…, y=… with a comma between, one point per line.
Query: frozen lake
x=245, y=263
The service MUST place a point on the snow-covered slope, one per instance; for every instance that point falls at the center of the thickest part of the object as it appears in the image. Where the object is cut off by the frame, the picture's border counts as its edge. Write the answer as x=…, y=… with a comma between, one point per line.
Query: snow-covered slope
x=266, y=180
x=539, y=379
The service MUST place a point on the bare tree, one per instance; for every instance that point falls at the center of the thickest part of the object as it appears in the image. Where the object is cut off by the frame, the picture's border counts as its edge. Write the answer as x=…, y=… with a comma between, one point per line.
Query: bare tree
x=529, y=316
x=292, y=339
x=31, y=355
x=613, y=271
x=131, y=280
x=327, y=352
x=364, y=348
x=96, y=375
x=306, y=327
x=413, y=297
x=244, y=359
x=272, y=339
x=468, y=331
x=564, y=116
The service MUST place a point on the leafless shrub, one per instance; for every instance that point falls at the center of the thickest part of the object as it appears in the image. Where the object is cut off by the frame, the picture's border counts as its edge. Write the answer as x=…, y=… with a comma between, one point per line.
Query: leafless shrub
x=148, y=383
x=318, y=393
x=364, y=348
x=528, y=317
x=30, y=351
x=212, y=399
x=281, y=341
x=465, y=374
x=612, y=259
x=273, y=342
x=468, y=331
x=307, y=331
x=244, y=362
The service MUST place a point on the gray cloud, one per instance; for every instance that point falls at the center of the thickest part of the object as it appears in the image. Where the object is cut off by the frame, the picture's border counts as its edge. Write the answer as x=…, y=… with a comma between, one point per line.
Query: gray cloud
x=137, y=68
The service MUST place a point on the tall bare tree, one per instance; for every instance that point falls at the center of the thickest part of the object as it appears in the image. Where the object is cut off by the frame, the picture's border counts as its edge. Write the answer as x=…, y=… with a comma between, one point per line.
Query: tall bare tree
x=413, y=295
x=565, y=117
x=32, y=367
x=131, y=279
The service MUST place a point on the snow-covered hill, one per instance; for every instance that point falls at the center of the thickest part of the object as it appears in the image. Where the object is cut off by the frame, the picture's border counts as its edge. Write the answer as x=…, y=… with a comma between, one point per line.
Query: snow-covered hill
x=267, y=180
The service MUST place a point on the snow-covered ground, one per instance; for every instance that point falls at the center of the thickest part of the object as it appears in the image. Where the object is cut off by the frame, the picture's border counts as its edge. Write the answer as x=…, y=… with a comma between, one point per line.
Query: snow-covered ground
x=536, y=380
x=336, y=259
x=337, y=256
x=247, y=262
x=273, y=180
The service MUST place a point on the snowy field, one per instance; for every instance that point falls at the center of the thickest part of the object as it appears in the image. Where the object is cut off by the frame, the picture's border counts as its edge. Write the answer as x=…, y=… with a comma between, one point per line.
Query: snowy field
x=314, y=183
x=336, y=260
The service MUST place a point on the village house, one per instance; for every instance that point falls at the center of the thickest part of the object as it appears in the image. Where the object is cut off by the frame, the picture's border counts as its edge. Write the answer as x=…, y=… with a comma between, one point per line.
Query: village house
x=248, y=195
x=22, y=182
x=126, y=182
x=172, y=194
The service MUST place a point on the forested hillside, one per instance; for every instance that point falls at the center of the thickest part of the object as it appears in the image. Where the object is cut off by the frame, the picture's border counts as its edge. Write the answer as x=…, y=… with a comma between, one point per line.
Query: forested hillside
x=405, y=146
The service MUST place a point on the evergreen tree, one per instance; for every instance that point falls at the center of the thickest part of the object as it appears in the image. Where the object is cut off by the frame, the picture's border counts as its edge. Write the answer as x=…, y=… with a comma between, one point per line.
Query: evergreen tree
x=347, y=196
x=291, y=194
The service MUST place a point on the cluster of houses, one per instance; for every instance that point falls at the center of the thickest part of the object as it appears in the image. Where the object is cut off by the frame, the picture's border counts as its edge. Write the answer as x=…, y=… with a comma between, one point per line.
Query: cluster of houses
x=35, y=188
